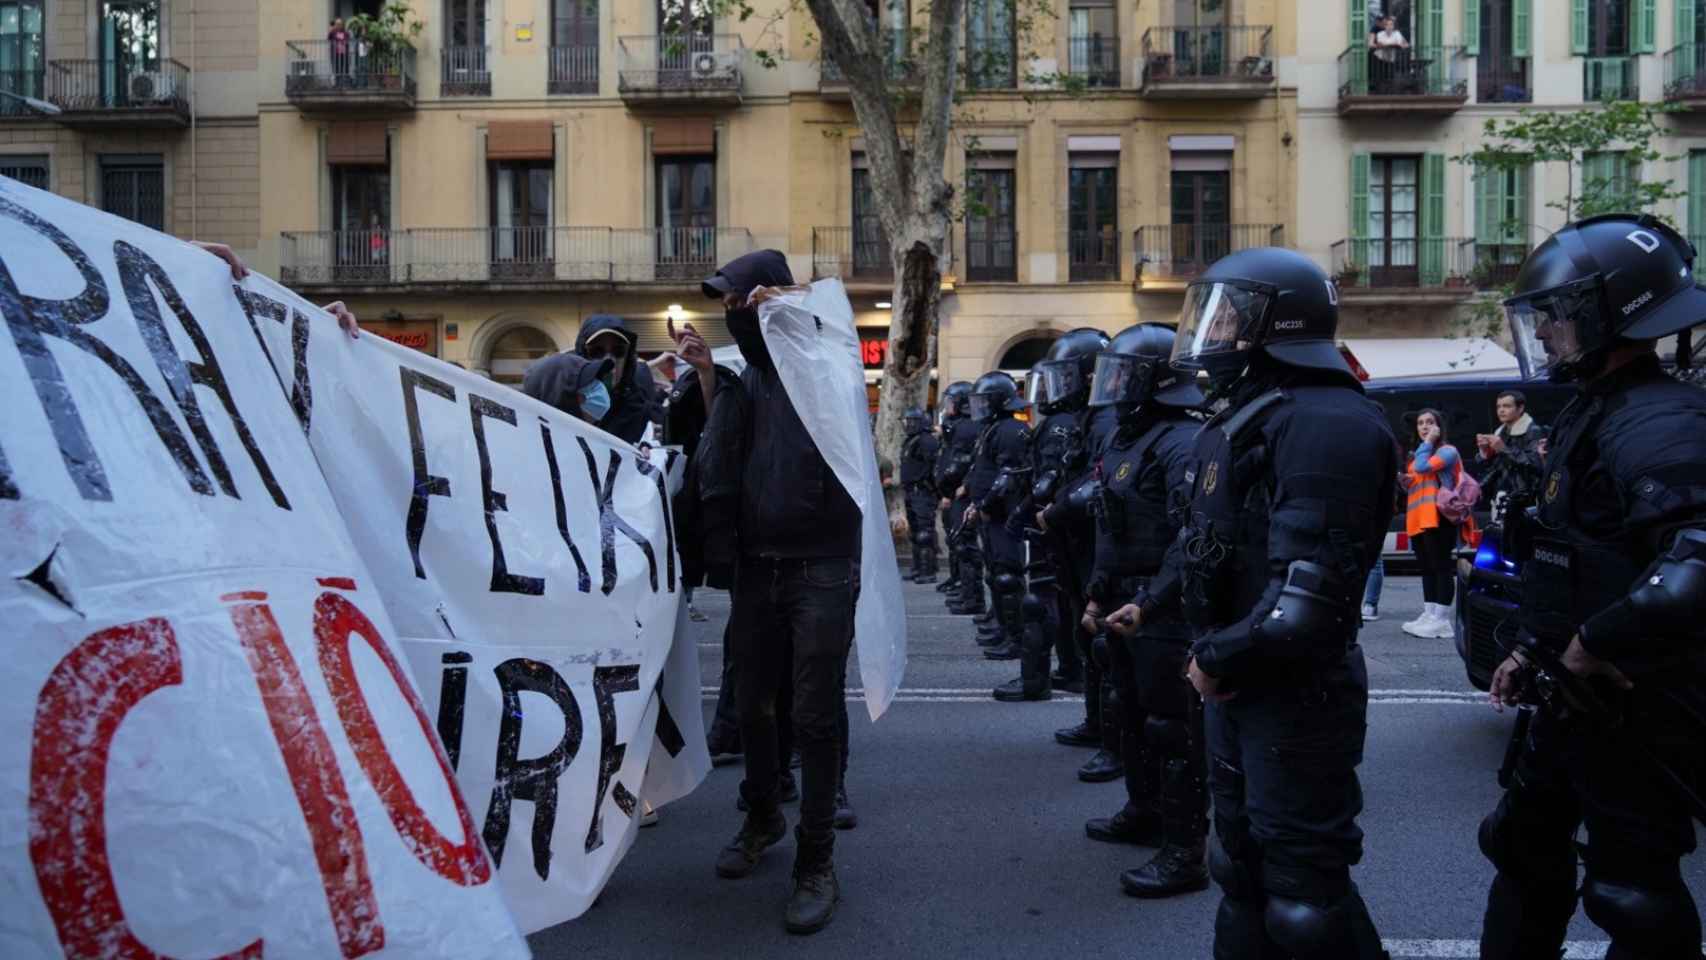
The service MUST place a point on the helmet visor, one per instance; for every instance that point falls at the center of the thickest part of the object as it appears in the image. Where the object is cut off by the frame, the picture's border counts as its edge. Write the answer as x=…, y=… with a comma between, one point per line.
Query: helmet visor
x=1052, y=381
x=1545, y=331
x=1121, y=378
x=1217, y=318
x=982, y=406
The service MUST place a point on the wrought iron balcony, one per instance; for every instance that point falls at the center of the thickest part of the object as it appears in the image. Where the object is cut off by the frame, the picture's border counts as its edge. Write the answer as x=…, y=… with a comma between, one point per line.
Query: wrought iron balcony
x=675, y=254
x=101, y=93
x=992, y=254
x=322, y=75
x=1610, y=78
x=573, y=70
x=1093, y=255
x=680, y=69
x=1442, y=264
x=1178, y=251
x=836, y=252
x=1207, y=62
x=1491, y=265
x=1685, y=74
x=1402, y=80
x=1501, y=78
x=21, y=83
x=1095, y=58
x=465, y=72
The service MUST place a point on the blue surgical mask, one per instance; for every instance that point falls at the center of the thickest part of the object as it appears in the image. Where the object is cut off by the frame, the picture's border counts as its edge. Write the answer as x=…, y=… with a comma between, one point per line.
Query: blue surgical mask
x=595, y=401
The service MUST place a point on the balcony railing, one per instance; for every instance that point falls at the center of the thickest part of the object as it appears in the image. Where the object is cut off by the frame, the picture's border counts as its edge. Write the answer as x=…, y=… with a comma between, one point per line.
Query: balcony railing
x=465, y=72
x=1685, y=72
x=1502, y=79
x=901, y=71
x=1237, y=57
x=21, y=83
x=508, y=255
x=573, y=70
x=992, y=256
x=1096, y=58
x=836, y=252
x=1407, y=262
x=690, y=66
x=106, y=91
x=1492, y=265
x=317, y=72
x=1093, y=255
x=1402, y=78
x=1610, y=78
x=1187, y=249
x=991, y=62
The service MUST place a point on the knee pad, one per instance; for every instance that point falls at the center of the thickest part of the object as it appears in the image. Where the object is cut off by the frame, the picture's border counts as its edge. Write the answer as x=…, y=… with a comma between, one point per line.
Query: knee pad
x=1167, y=733
x=1006, y=583
x=1338, y=928
x=1655, y=917
x=1099, y=652
x=1033, y=609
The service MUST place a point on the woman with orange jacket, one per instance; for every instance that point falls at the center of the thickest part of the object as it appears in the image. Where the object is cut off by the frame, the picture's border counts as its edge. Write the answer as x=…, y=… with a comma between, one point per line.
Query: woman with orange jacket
x=1436, y=465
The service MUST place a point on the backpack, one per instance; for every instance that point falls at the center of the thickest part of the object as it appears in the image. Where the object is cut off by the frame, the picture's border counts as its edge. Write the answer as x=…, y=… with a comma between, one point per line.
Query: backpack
x=1456, y=503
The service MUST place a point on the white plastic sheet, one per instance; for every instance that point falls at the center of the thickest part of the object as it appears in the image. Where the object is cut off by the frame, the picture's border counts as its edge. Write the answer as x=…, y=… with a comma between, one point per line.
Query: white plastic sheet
x=815, y=347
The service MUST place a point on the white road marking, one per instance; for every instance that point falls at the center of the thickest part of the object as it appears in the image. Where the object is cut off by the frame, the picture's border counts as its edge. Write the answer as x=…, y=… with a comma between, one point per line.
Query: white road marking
x=1431, y=949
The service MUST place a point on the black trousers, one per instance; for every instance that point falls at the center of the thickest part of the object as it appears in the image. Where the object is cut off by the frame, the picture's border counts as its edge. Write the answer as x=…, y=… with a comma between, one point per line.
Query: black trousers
x=1434, y=549
x=791, y=630
x=921, y=517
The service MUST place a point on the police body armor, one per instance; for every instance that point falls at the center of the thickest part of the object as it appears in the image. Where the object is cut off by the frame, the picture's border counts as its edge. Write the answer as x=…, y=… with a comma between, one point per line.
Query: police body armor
x=981, y=481
x=1057, y=444
x=1132, y=526
x=953, y=463
x=914, y=466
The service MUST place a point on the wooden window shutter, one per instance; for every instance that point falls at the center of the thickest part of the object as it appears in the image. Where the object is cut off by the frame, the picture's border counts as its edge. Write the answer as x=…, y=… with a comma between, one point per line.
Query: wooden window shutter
x=357, y=143
x=519, y=140
x=678, y=136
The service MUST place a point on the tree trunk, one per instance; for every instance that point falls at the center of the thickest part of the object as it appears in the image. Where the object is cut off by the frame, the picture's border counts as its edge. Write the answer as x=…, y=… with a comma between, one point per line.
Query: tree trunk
x=912, y=342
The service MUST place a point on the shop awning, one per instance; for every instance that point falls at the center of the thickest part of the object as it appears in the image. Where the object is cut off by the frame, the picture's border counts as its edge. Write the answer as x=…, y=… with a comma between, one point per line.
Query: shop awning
x=1429, y=358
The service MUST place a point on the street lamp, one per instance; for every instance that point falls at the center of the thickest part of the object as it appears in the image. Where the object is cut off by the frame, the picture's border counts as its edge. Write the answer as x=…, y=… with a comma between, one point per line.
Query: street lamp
x=39, y=106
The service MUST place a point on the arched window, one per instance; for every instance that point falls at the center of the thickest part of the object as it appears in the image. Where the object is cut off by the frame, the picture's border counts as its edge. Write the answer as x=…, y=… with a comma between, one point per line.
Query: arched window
x=1024, y=354
x=515, y=350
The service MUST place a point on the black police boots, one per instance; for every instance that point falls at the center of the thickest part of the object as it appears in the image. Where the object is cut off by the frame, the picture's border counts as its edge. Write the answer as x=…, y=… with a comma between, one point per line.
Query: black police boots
x=758, y=833
x=1082, y=735
x=926, y=565
x=816, y=891
x=1178, y=867
x=1137, y=827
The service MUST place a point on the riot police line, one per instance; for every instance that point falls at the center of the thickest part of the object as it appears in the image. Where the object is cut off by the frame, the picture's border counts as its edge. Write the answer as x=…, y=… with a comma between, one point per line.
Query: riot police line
x=1202, y=505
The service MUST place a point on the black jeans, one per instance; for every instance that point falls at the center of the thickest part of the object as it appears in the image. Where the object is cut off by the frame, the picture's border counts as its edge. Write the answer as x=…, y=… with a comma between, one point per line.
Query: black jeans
x=1434, y=549
x=792, y=627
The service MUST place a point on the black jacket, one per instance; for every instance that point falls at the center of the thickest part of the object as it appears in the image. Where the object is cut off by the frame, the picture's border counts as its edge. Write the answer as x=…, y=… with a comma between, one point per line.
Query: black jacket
x=707, y=505
x=634, y=402
x=1517, y=470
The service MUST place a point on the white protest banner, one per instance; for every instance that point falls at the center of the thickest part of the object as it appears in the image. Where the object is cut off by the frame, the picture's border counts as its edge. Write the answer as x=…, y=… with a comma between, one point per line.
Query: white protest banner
x=214, y=746
x=529, y=564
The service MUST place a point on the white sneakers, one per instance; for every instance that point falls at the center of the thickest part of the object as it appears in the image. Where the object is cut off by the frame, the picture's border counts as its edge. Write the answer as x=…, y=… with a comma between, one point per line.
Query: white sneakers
x=1433, y=624
x=1370, y=613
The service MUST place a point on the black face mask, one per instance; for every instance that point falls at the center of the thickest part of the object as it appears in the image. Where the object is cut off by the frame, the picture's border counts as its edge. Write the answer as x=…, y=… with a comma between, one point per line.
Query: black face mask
x=743, y=326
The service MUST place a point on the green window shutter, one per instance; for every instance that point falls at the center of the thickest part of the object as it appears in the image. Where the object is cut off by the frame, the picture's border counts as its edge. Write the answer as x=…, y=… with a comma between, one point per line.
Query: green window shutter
x=1358, y=253
x=1521, y=29
x=1696, y=195
x=1646, y=18
x=1472, y=28
x=1432, y=260
x=1687, y=53
x=1579, y=27
x=1432, y=29
x=1488, y=204
x=1357, y=25
x=1516, y=207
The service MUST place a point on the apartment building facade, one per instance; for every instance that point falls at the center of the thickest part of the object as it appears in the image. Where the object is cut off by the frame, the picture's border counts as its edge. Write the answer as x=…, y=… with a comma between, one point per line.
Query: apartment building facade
x=1412, y=233
x=146, y=108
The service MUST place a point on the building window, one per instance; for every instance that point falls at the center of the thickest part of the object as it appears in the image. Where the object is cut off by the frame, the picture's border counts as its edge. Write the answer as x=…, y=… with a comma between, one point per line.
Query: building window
x=1092, y=233
x=992, y=52
x=29, y=170
x=361, y=219
x=1608, y=25
x=870, y=244
x=1026, y=354
x=1093, y=43
x=129, y=46
x=1502, y=62
x=521, y=218
x=466, y=70
x=1608, y=179
x=1393, y=220
x=135, y=188
x=574, y=46
x=1501, y=226
x=686, y=216
x=21, y=54
x=1202, y=211
x=991, y=227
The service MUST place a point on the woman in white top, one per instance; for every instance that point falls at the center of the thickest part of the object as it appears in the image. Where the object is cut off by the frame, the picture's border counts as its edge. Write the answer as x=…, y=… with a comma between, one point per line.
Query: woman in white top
x=1388, y=40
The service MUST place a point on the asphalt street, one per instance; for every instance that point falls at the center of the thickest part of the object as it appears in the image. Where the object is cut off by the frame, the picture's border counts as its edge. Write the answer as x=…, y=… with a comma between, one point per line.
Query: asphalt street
x=971, y=839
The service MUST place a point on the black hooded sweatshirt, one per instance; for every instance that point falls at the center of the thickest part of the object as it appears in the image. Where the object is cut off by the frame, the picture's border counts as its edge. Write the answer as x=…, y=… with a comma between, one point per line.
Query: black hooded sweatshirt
x=791, y=504
x=634, y=402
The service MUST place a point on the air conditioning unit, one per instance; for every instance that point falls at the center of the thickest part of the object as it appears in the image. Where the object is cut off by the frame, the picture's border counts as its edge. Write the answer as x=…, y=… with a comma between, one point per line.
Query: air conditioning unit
x=150, y=87
x=704, y=64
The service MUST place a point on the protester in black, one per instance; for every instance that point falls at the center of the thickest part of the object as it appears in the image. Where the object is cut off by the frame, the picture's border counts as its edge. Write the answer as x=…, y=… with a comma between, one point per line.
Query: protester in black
x=634, y=396
x=796, y=584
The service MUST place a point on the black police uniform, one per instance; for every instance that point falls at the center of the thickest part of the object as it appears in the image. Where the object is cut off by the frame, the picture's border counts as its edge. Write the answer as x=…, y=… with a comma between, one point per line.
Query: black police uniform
x=917, y=461
x=1056, y=445
x=953, y=469
x=1137, y=518
x=1072, y=515
x=997, y=471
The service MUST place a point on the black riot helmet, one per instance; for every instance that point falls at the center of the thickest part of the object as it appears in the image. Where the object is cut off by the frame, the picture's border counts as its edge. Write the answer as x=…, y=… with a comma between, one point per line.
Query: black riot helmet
x=956, y=400
x=1135, y=371
x=916, y=421
x=994, y=394
x=1618, y=278
x=1060, y=381
x=1269, y=299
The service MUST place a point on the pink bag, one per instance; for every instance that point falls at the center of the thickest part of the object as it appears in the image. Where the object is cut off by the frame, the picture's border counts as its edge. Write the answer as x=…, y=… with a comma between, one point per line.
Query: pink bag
x=1458, y=502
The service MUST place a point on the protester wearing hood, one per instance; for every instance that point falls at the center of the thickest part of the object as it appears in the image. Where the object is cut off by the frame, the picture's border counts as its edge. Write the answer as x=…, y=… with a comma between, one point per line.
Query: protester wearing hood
x=572, y=384
x=796, y=585
x=633, y=393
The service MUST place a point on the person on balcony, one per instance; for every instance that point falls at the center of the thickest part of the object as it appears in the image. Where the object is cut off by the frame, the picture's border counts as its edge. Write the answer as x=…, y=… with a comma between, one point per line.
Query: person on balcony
x=1391, y=56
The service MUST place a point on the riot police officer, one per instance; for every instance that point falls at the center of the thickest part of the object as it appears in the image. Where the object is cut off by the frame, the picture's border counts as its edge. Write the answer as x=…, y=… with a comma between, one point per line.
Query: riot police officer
x=994, y=485
x=959, y=450
x=1290, y=493
x=1138, y=515
x=917, y=460
x=955, y=411
x=1058, y=388
x=1613, y=597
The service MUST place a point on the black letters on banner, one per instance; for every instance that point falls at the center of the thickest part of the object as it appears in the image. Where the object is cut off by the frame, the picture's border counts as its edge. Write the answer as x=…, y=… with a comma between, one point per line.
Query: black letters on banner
x=607, y=682
x=645, y=467
x=452, y=698
x=609, y=522
x=533, y=780
x=426, y=484
x=479, y=408
x=668, y=733
x=255, y=304
x=8, y=487
x=135, y=270
x=584, y=581
x=31, y=319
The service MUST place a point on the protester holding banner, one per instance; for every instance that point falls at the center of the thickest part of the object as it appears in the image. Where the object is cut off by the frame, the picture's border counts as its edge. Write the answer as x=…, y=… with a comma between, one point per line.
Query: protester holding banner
x=634, y=398
x=572, y=384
